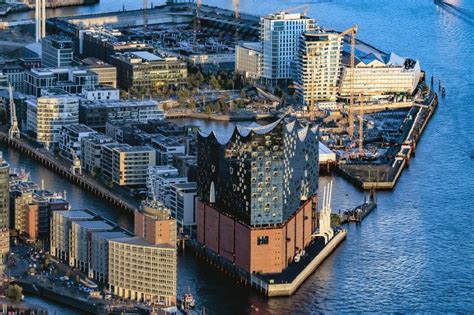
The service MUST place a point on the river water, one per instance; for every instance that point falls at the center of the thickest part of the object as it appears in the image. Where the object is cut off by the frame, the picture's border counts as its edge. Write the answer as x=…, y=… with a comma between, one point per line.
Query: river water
x=416, y=251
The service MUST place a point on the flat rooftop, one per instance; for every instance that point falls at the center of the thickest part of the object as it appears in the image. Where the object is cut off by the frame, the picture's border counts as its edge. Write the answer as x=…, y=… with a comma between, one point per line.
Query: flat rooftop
x=76, y=214
x=138, y=241
x=109, y=235
x=79, y=128
x=94, y=225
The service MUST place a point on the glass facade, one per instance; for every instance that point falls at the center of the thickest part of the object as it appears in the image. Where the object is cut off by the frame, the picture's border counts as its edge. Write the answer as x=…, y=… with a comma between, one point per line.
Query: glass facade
x=259, y=175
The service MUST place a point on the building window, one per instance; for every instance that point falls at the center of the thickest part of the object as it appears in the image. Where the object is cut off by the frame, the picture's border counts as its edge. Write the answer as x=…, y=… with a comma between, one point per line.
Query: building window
x=262, y=240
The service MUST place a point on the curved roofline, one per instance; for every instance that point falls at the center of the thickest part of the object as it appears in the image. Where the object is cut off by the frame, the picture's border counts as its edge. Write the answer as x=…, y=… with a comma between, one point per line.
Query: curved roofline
x=243, y=131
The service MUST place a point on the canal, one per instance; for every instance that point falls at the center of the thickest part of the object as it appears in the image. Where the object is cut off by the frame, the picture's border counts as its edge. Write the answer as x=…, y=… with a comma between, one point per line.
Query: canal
x=416, y=251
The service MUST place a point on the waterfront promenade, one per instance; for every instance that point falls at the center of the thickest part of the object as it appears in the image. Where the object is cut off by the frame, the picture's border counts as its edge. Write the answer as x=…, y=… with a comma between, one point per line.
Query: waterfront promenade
x=60, y=167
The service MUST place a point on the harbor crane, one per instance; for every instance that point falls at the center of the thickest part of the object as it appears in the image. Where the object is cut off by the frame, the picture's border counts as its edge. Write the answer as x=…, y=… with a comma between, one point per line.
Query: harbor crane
x=304, y=6
x=14, y=131
x=352, y=32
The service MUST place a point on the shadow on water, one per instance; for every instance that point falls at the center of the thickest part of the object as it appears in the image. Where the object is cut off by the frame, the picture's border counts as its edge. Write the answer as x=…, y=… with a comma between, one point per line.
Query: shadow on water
x=464, y=14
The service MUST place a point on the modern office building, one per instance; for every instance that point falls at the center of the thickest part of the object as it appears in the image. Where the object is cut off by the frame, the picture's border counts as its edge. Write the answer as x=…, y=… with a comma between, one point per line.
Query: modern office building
x=102, y=43
x=50, y=113
x=56, y=52
x=4, y=212
x=107, y=73
x=183, y=203
x=96, y=114
x=257, y=192
x=91, y=152
x=380, y=76
x=71, y=80
x=154, y=223
x=280, y=33
x=318, y=67
x=144, y=72
x=142, y=271
x=70, y=137
x=127, y=165
x=248, y=59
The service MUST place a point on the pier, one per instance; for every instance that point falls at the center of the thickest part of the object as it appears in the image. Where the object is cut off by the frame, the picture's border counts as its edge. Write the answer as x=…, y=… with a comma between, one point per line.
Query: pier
x=366, y=175
x=84, y=181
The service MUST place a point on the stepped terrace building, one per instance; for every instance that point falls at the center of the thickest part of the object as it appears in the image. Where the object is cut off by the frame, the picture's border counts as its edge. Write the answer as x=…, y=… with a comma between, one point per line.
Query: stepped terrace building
x=257, y=193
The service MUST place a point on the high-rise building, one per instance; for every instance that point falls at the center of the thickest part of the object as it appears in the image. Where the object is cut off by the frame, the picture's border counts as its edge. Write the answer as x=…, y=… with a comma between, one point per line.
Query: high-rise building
x=318, y=67
x=280, y=33
x=257, y=192
x=56, y=51
x=40, y=18
x=4, y=212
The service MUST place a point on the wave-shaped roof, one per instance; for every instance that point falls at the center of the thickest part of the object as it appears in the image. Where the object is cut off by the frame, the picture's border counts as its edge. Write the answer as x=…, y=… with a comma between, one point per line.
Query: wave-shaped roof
x=245, y=131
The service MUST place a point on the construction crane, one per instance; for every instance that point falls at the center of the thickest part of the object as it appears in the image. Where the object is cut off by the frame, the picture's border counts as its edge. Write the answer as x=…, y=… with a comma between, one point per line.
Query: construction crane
x=14, y=131
x=145, y=17
x=305, y=11
x=361, y=124
x=352, y=32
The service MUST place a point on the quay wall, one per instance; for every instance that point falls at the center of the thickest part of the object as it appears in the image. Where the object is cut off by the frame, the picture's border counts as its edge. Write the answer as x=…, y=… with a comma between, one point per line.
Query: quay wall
x=259, y=284
x=84, y=181
x=287, y=289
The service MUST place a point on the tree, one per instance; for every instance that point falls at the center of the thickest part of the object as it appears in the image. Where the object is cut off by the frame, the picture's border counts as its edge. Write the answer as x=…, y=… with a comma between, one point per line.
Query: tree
x=14, y=292
x=208, y=110
x=214, y=83
x=199, y=77
x=192, y=104
x=47, y=260
x=225, y=109
x=230, y=84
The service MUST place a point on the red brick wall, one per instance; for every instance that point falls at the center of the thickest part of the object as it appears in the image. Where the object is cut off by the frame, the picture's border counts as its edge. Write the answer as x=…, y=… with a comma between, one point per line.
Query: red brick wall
x=242, y=247
x=138, y=224
x=226, y=237
x=31, y=222
x=267, y=258
x=217, y=231
x=211, y=217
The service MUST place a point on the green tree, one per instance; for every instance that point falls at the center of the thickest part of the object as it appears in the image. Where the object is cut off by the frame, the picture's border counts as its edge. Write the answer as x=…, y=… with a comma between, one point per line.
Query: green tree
x=230, y=84
x=225, y=109
x=214, y=83
x=192, y=104
x=14, y=292
x=208, y=110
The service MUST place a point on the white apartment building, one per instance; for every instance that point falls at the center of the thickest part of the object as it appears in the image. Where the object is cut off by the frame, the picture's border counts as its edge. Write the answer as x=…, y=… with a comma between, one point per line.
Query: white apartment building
x=248, y=59
x=91, y=151
x=280, y=34
x=151, y=274
x=318, y=68
x=159, y=181
x=79, y=255
x=53, y=111
x=99, y=254
x=70, y=137
x=101, y=93
x=183, y=203
x=61, y=222
x=378, y=76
